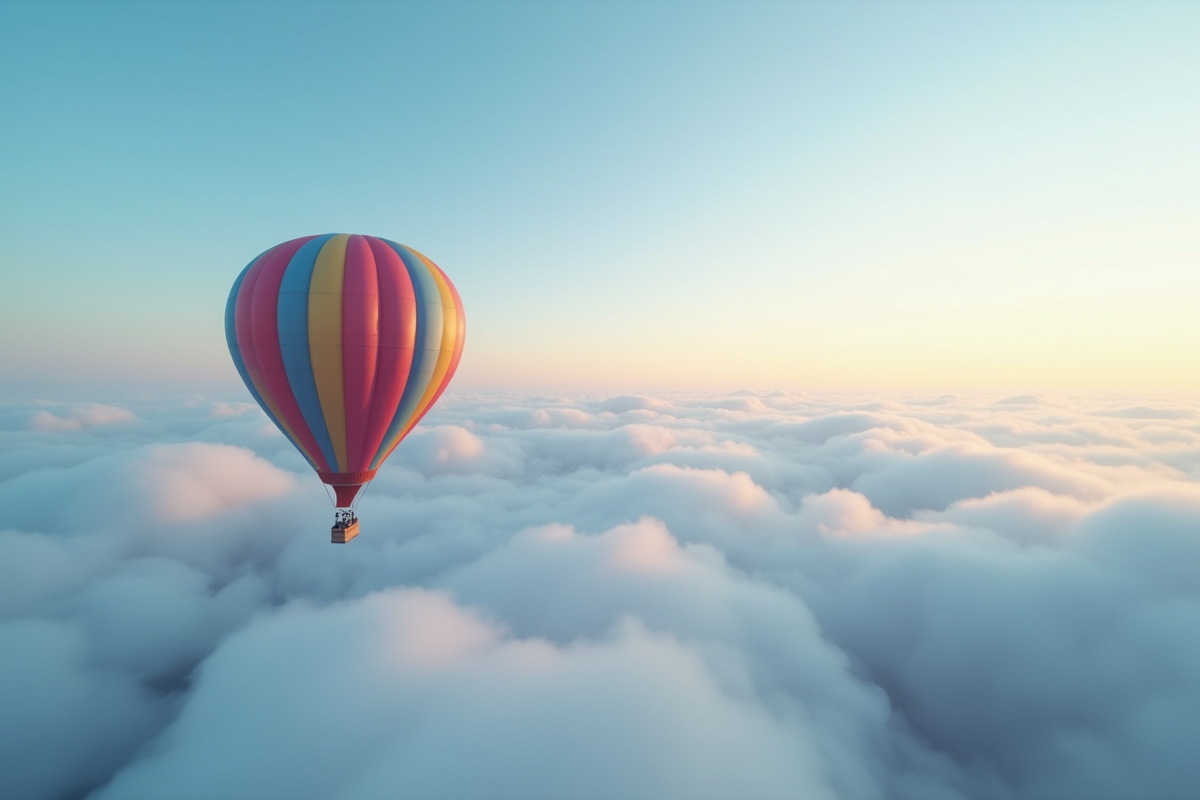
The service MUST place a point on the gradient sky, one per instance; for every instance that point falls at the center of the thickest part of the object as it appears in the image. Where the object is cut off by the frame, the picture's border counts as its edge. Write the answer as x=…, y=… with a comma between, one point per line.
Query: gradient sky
x=931, y=196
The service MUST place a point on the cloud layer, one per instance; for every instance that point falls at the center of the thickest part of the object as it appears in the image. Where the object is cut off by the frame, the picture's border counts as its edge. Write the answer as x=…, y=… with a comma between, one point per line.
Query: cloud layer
x=749, y=595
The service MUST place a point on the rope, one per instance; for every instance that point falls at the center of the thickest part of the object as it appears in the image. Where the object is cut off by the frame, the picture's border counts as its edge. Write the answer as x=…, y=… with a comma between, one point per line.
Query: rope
x=361, y=495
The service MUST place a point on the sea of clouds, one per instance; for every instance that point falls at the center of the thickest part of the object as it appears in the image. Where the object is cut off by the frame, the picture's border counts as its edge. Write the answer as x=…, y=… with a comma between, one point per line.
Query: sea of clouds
x=671, y=597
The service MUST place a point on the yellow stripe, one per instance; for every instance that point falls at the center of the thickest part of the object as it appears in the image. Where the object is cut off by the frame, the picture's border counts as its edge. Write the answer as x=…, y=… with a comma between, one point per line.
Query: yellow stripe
x=325, y=340
x=449, y=335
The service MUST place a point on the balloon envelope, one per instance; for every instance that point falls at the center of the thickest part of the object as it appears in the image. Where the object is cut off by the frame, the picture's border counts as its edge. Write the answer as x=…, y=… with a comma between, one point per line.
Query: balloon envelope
x=345, y=341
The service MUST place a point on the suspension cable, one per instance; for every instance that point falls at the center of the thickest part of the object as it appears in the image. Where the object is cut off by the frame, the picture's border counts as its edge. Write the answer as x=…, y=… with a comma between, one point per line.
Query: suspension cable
x=361, y=495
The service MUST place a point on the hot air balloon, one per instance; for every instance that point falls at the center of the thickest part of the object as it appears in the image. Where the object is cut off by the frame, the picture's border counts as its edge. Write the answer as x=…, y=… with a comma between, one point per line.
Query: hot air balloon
x=346, y=342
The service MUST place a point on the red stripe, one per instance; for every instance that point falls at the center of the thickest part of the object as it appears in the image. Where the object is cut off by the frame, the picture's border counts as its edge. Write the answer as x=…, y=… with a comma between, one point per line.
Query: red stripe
x=264, y=319
x=397, y=337
x=345, y=493
x=346, y=478
x=245, y=331
x=360, y=345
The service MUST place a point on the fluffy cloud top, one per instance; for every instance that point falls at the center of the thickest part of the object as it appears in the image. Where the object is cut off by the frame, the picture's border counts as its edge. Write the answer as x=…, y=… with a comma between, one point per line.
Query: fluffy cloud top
x=752, y=595
x=72, y=419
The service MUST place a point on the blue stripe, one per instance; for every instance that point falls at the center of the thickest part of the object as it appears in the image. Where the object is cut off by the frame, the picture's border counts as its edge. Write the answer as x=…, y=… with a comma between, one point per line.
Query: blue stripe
x=236, y=352
x=293, y=341
x=428, y=305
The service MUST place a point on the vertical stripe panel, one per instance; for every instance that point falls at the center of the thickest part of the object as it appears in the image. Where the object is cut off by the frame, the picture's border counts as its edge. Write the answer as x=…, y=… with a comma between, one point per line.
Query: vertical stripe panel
x=325, y=341
x=293, y=341
x=427, y=347
x=445, y=346
x=244, y=330
x=360, y=345
x=397, y=338
x=265, y=322
x=460, y=339
x=231, y=334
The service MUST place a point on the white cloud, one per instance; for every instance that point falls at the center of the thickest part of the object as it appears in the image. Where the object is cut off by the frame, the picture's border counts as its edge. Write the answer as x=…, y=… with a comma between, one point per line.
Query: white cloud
x=73, y=419
x=772, y=595
x=67, y=724
x=409, y=690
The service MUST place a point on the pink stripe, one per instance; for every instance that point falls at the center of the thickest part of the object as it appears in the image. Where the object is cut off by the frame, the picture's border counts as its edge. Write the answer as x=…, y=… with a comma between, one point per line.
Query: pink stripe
x=360, y=345
x=397, y=337
x=265, y=321
x=245, y=331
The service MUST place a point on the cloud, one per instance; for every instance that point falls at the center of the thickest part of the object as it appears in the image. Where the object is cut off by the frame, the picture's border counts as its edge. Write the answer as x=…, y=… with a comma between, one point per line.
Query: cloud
x=67, y=725
x=1145, y=412
x=140, y=487
x=231, y=409
x=410, y=690
x=73, y=419
x=626, y=403
x=751, y=595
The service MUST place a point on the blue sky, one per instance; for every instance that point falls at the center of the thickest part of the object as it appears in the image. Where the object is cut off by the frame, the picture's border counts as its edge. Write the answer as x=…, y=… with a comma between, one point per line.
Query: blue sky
x=661, y=194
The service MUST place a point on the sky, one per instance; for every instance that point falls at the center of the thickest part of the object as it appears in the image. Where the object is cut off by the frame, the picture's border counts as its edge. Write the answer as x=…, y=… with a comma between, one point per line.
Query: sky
x=678, y=595
x=925, y=197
